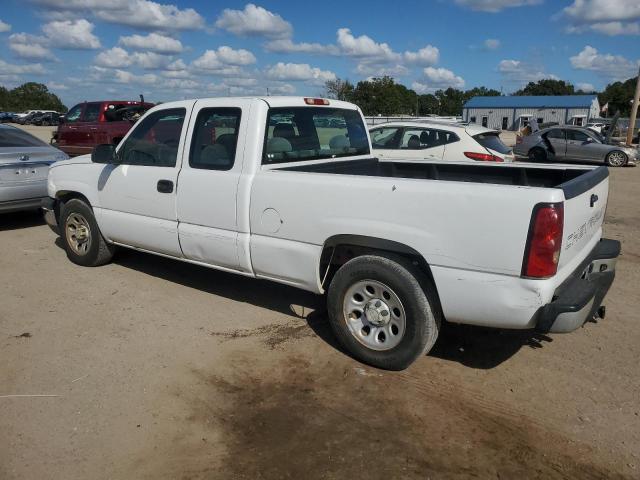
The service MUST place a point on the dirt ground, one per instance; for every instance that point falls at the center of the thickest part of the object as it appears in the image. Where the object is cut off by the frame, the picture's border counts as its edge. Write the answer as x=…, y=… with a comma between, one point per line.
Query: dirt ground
x=149, y=368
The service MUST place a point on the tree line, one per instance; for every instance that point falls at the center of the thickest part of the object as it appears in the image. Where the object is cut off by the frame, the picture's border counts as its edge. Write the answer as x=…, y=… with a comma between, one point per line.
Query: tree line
x=29, y=96
x=383, y=96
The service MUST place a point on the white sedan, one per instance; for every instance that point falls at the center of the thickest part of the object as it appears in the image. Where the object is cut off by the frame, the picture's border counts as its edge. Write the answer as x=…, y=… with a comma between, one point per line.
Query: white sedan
x=438, y=141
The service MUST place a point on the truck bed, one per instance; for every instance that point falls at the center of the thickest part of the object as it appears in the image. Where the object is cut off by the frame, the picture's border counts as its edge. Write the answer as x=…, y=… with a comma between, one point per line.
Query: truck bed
x=573, y=181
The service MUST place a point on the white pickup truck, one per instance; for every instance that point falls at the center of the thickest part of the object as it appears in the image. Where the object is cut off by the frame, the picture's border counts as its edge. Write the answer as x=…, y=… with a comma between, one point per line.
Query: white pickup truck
x=286, y=189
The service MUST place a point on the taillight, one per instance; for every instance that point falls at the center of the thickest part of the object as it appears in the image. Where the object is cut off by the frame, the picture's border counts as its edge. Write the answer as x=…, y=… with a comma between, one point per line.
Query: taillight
x=542, y=251
x=483, y=157
x=316, y=101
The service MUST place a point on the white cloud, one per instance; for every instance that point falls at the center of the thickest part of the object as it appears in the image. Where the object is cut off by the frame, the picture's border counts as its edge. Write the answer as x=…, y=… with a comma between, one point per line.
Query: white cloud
x=71, y=34
x=608, y=17
x=585, y=87
x=299, y=71
x=286, y=45
x=4, y=27
x=115, y=57
x=254, y=21
x=153, y=42
x=494, y=6
x=374, y=69
x=436, y=78
x=363, y=46
x=491, y=44
x=428, y=55
x=519, y=73
x=615, y=67
x=217, y=59
x=56, y=86
x=12, y=69
x=31, y=47
x=124, y=76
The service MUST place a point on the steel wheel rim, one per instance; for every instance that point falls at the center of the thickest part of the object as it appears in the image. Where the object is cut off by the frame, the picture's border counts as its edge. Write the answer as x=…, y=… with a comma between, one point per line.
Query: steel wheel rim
x=616, y=159
x=374, y=315
x=78, y=233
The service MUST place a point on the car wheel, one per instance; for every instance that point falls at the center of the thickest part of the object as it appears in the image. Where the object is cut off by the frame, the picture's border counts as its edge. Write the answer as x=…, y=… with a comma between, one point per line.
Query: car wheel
x=81, y=236
x=616, y=158
x=537, y=155
x=383, y=311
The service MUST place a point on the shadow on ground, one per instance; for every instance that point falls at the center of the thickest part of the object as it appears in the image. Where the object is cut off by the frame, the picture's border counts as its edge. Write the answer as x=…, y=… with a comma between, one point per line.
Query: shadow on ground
x=474, y=347
x=18, y=220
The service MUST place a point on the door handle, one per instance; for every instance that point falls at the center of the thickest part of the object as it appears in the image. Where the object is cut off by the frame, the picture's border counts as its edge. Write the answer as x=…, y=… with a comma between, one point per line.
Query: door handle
x=165, y=186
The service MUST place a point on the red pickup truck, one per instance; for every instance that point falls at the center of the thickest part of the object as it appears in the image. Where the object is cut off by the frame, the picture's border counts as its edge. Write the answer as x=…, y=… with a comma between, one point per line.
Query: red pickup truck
x=93, y=123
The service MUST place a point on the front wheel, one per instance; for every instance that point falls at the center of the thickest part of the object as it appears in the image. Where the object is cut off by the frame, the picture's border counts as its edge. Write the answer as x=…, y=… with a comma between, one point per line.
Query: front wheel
x=383, y=311
x=81, y=236
x=616, y=159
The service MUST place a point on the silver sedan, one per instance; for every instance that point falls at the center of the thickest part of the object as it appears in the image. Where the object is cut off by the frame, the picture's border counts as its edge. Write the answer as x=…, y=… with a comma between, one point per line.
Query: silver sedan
x=24, y=167
x=573, y=144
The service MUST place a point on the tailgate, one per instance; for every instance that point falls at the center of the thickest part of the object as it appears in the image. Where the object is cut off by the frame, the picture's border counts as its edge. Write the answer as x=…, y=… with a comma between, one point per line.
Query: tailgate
x=584, y=209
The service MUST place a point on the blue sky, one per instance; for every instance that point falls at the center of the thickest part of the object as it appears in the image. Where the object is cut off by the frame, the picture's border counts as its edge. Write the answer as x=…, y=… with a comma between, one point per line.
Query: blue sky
x=90, y=49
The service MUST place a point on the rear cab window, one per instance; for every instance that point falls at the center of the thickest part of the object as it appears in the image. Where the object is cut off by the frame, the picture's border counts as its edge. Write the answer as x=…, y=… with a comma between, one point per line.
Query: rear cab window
x=492, y=141
x=313, y=133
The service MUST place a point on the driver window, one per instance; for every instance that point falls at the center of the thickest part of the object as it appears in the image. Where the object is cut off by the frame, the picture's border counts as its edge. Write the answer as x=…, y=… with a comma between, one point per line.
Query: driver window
x=154, y=141
x=577, y=136
x=73, y=115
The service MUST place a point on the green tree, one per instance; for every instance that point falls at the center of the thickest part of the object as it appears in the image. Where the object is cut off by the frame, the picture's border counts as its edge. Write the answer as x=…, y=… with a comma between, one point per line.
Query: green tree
x=547, y=86
x=339, y=89
x=30, y=96
x=619, y=95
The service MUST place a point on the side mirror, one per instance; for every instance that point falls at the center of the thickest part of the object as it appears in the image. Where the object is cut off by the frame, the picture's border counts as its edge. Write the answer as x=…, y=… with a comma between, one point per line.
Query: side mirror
x=105, y=153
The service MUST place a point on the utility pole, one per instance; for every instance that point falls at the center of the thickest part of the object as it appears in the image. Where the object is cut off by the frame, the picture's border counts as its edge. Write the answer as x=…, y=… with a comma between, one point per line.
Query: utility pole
x=634, y=111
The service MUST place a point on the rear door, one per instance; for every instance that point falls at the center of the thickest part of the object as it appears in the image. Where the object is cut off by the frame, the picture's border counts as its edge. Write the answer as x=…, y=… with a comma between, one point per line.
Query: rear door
x=208, y=182
x=420, y=144
x=137, y=196
x=385, y=141
x=557, y=141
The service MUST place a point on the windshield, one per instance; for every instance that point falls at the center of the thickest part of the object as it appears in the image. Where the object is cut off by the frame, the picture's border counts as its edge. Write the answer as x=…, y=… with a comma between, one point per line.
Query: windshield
x=10, y=137
x=492, y=142
x=313, y=133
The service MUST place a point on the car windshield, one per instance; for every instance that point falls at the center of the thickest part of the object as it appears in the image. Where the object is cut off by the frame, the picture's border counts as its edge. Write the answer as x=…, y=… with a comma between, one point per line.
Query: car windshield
x=313, y=133
x=492, y=142
x=12, y=137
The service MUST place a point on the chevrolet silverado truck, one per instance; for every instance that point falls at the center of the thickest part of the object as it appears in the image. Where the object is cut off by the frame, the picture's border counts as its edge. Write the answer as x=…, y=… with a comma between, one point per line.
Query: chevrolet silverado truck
x=286, y=189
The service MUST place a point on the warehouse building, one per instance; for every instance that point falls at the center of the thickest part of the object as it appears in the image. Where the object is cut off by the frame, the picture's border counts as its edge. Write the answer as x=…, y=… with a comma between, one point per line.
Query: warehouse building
x=514, y=112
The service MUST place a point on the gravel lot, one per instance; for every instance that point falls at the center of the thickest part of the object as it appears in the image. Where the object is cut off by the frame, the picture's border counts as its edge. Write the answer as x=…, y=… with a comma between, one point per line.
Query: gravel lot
x=155, y=369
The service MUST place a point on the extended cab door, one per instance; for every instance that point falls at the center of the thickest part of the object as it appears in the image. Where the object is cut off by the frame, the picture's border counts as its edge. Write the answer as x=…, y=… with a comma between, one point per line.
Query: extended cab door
x=208, y=183
x=138, y=195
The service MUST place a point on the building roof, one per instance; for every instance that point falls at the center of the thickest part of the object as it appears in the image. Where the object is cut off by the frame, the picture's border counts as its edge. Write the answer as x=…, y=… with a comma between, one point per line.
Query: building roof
x=534, y=101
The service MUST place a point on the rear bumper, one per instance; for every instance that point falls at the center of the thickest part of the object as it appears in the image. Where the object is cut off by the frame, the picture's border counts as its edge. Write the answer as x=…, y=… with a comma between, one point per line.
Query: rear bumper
x=580, y=296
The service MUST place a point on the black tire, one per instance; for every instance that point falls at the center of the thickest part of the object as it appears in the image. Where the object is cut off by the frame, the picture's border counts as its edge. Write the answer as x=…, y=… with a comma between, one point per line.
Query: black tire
x=98, y=251
x=537, y=154
x=418, y=297
x=610, y=162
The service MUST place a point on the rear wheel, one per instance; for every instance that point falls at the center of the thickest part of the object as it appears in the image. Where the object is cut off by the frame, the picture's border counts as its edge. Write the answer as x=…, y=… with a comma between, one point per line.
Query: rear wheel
x=616, y=159
x=383, y=311
x=81, y=236
x=537, y=155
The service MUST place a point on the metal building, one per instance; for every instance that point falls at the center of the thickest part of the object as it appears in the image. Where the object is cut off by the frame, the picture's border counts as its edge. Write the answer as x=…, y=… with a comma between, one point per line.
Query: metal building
x=514, y=112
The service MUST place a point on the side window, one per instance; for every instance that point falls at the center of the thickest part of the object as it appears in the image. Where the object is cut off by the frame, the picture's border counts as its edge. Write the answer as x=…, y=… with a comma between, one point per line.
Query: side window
x=556, y=133
x=74, y=114
x=422, y=138
x=154, y=141
x=215, y=138
x=577, y=136
x=386, y=137
x=91, y=112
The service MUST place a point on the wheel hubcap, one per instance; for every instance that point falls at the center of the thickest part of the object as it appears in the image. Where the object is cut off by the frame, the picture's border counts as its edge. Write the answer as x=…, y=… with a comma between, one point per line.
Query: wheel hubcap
x=78, y=233
x=616, y=158
x=374, y=315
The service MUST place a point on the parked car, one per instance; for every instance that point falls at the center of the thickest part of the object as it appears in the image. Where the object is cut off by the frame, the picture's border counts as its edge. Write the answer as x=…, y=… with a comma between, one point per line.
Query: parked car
x=438, y=141
x=6, y=117
x=47, y=119
x=597, y=126
x=26, y=119
x=92, y=123
x=573, y=144
x=19, y=116
x=24, y=164
x=397, y=246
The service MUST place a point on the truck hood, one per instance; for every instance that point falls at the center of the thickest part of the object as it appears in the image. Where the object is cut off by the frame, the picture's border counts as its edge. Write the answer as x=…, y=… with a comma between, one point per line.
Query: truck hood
x=81, y=160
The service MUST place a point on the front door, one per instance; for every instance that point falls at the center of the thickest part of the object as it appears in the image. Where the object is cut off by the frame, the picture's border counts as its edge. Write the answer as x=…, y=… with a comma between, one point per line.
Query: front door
x=385, y=141
x=138, y=195
x=582, y=147
x=208, y=228
x=68, y=134
x=88, y=127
